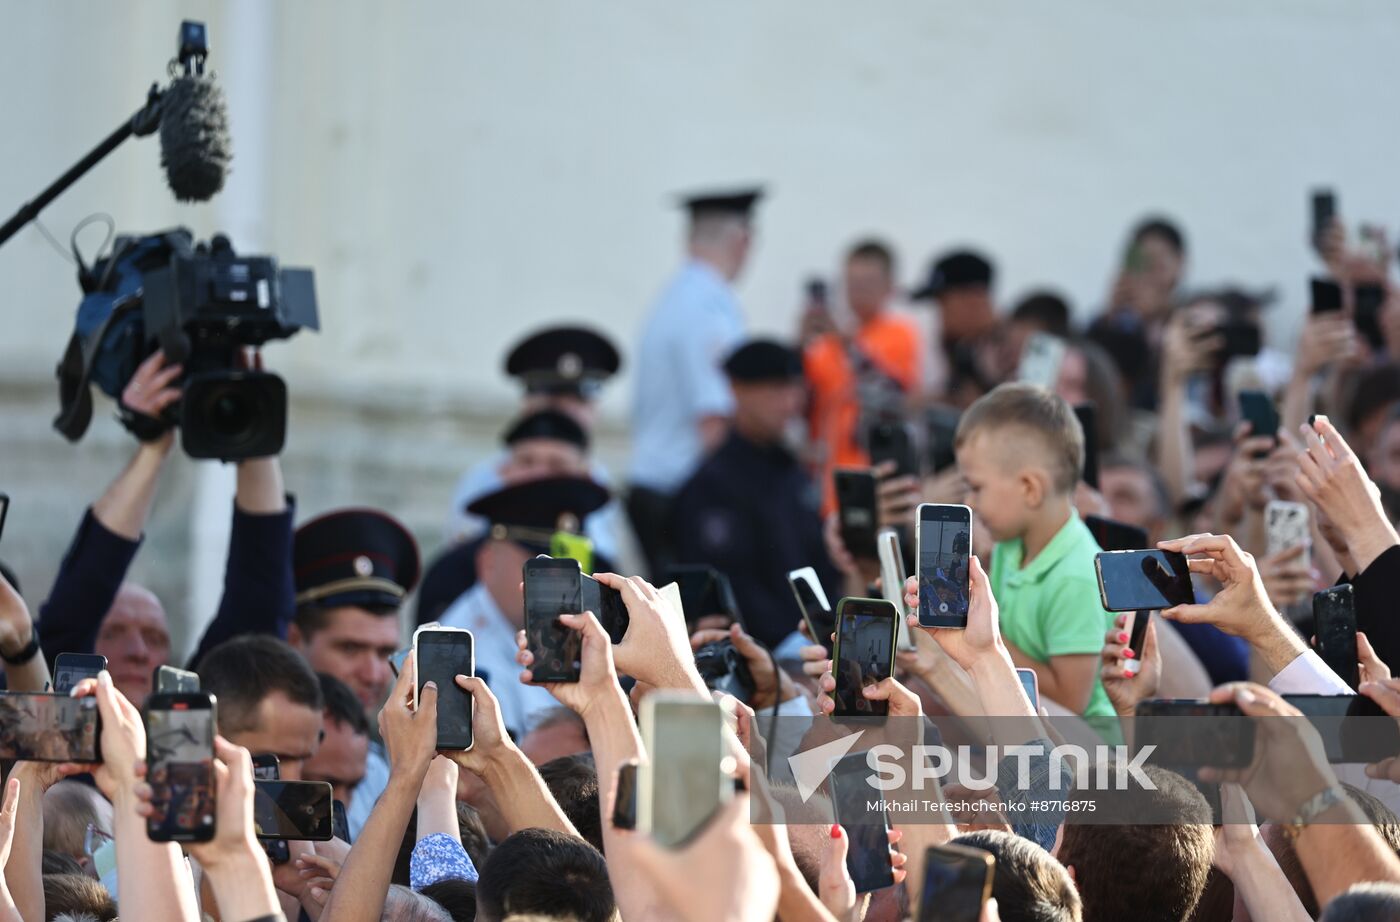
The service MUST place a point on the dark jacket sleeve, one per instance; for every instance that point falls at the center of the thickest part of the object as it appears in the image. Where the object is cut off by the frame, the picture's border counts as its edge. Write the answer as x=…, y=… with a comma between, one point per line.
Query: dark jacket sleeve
x=88, y=579
x=1377, y=588
x=259, y=594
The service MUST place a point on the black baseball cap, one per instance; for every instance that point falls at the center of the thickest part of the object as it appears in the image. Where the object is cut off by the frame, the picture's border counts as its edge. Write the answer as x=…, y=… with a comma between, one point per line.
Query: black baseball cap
x=959, y=269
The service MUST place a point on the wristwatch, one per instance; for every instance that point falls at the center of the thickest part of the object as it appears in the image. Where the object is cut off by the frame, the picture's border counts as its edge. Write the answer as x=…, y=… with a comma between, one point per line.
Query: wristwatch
x=1314, y=807
x=26, y=654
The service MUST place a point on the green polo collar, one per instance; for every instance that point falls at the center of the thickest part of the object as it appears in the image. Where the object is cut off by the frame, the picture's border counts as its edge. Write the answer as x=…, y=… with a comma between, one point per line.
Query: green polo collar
x=1066, y=540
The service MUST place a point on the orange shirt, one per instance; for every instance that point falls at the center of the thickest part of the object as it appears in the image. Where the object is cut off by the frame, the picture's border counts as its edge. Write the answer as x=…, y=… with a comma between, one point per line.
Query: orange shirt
x=893, y=344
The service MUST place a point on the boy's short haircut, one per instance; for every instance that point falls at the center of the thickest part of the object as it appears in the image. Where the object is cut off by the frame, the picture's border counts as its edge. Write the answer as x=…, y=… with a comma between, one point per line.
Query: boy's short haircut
x=1034, y=410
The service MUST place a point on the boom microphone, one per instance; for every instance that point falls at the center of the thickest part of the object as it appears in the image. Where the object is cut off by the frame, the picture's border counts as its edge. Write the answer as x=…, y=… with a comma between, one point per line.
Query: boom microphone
x=194, y=140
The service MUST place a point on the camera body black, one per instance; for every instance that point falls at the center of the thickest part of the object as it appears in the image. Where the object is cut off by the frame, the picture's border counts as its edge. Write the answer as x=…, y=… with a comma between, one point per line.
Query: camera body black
x=724, y=669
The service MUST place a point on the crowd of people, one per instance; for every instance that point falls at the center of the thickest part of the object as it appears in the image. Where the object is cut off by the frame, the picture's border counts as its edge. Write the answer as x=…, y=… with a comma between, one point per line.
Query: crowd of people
x=736, y=441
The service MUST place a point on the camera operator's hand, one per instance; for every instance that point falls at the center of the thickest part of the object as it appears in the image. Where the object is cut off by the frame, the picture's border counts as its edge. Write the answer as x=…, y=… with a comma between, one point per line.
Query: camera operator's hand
x=1333, y=479
x=410, y=736
x=147, y=396
x=771, y=686
x=1327, y=339
x=597, y=673
x=123, y=740
x=1125, y=691
x=1190, y=342
x=1287, y=579
x=655, y=648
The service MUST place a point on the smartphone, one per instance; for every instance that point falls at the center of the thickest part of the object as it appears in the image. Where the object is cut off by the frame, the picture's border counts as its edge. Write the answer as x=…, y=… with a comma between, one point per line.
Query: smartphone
x=1136, y=636
x=1116, y=536
x=340, y=822
x=1147, y=580
x=299, y=810
x=266, y=767
x=1326, y=295
x=1087, y=414
x=1353, y=728
x=624, y=815
x=180, y=767
x=553, y=587
x=868, y=849
x=398, y=659
x=704, y=592
x=1286, y=526
x=1031, y=685
x=71, y=668
x=1194, y=732
x=607, y=605
x=816, y=610
x=683, y=783
x=893, y=441
x=1324, y=211
x=46, y=727
x=942, y=427
x=1334, y=626
x=4, y=511
x=1242, y=338
x=957, y=883
x=892, y=581
x=1366, y=313
x=944, y=540
x=858, y=510
x=440, y=654
x=1257, y=408
x=864, y=654
x=1041, y=358
x=169, y=680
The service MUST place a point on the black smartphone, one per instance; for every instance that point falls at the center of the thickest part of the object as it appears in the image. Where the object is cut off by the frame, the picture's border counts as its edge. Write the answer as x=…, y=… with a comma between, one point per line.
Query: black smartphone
x=1194, y=732
x=340, y=823
x=168, y=680
x=893, y=441
x=944, y=541
x=868, y=854
x=624, y=815
x=45, y=727
x=1242, y=338
x=440, y=654
x=704, y=592
x=941, y=424
x=606, y=604
x=858, y=510
x=1366, y=313
x=1257, y=409
x=71, y=668
x=553, y=587
x=816, y=610
x=1353, y=727
x=1326, y=295
x=957, y=883
x=1334, y=626
x=1087, y=414
x=1146, y=580
x=180, y=767
x=1116, y=536
x=299, y=810
x=1324, y=211
x=866, y=634
x=4, y=511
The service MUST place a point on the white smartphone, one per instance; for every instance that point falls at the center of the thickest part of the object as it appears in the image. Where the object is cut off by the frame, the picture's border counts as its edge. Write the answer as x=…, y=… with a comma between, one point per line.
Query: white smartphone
x=682, y=781
x=1041, y=358
x=816, y=610
x=892, y=581
x=440, y=654
x=944, y=557
x=1286, y=525
x=1031, y=685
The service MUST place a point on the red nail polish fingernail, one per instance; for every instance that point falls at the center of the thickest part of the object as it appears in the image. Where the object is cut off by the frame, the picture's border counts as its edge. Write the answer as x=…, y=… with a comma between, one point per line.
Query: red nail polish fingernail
x=1128, y=654
x=835, y=831
x=1122, y=638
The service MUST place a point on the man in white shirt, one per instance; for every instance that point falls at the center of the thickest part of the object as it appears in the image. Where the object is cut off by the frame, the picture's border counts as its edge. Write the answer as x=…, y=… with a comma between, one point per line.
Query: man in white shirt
x=682, y=401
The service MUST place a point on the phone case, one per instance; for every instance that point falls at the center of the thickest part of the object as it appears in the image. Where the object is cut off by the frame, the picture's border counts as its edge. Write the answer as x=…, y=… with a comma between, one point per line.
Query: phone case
x=1286, y=526
x=919, y=563
x=892, y=584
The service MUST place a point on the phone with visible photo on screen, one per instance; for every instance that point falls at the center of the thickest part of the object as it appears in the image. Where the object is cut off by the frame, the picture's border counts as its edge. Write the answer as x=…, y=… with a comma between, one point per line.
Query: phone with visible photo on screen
x=684, y=782
x=867, y=830
x=816, y=610
x=957, y=883
x=169, y=680
x=71, y=668
x=440, y=654
x=944, y=542
x=1041, y=358
x=892, y=582
x=180, y=767
x=46, y=727
x=864, y=655
x=293, y=810
x=553, y=587
x=1031, y=685
x=1144, y=580
x=1334, y=626
x=858, y=511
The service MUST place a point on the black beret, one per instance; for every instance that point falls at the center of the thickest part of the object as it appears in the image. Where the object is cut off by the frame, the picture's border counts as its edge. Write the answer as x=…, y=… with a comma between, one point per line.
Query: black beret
x=763, y=360
x=530, y=513
x=356, y=557
x=731, y=202
x=960, y=269
x=571, y=360
x=547, y=424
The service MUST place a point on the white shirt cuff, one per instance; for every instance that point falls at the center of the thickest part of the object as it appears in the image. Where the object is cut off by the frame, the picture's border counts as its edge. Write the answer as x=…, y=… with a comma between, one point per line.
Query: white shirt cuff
x=793, y=707
x=1309, y=675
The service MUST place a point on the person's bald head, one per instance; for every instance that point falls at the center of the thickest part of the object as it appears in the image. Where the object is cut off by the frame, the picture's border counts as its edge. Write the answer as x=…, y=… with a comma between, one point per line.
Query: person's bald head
x=135, y=638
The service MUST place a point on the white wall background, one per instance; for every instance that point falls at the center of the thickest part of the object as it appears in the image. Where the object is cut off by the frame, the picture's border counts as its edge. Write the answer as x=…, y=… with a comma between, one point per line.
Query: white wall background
x=459, y=172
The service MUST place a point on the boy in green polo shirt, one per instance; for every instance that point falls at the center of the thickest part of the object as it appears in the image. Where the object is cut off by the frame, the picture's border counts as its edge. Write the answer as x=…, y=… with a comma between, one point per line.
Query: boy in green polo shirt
x=1021, y=450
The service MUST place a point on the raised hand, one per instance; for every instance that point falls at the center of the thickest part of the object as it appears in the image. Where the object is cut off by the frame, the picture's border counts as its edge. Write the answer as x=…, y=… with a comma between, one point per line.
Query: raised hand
x=1333, y=479
x=1124, y=690
x=655, y=648
x=597, y=673
x=409, y=735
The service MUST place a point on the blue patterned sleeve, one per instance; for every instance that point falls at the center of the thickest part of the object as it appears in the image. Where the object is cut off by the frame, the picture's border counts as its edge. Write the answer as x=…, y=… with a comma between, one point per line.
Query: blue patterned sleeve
x=439, y=857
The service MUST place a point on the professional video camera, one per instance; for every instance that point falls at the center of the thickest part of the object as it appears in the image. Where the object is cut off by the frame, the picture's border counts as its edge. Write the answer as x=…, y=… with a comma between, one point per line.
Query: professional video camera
x=204, y=306
x=724, y=670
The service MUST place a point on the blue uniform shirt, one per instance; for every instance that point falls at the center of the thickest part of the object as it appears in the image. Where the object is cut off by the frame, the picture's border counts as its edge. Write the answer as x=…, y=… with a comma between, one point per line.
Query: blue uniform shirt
x=694, y=326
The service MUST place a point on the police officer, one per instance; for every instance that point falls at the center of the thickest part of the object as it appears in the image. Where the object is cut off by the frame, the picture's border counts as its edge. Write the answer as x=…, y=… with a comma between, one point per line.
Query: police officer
x=751, y=511
x=682, y=403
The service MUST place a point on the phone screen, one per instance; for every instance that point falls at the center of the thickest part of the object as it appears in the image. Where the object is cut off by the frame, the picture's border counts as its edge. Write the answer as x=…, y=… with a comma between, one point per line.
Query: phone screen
x=1258, y=410
x=1029, y=683
x=298, y=810
x=1116, y=536
x=606, y=603
x=865, y=641
x=1147, y=580
x=957, y=881
x=1087, y=416
x=1326, y=296
x=856, y=502
x=553, y=588
x=1334, y=621
x=868, y=857
x=171, y=681
x=1324, y=210
x=1192, y=733
x=686, y=781
x=442, y=656
x=71, y=668
x=816, y=611
x=1041, y=358
x=625, y=802
x=1353, y=728
x=180, y=768
x=42, y=727
x=945, y=548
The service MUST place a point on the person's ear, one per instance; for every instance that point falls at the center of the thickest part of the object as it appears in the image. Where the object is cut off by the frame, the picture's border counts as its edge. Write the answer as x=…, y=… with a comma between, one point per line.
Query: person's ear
x=1073, y=878
x=1034, y=487
x=294, y=636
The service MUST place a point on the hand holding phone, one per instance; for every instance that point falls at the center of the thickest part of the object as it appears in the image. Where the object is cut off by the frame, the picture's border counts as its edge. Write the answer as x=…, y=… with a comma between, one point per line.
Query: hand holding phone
x=816, y=610
x=1334, y=622
x=944, y=541
x=180, y=767
x=866, y=638
x=868, y=854
x=683, y=783
x=957, y=883
x=440, y=655
x=71, y=668
x=1146, y=580
x=553, y=587
x=1257, y=409
x=857, y=498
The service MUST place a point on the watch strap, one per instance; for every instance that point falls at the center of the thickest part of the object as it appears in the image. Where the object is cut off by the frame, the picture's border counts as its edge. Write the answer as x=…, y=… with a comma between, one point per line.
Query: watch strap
x=30, y=650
